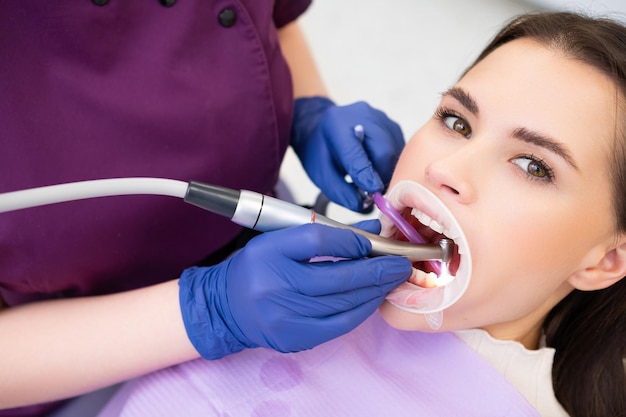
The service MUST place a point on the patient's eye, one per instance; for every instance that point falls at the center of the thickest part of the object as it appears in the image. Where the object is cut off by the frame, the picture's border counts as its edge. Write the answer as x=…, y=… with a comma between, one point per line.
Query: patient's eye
x=534, y=168
x=454, y=122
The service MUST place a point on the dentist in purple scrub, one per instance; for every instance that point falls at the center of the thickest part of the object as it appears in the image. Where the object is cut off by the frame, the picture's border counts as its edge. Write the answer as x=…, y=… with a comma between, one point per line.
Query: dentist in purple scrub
x=213, y=91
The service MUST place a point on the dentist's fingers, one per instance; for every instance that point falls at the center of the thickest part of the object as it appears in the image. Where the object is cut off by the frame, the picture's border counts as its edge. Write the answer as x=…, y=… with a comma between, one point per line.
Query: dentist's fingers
x=340, y=279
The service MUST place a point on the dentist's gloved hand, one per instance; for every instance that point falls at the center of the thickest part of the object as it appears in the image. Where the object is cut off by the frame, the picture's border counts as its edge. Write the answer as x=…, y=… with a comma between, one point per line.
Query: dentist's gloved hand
x=322, y=136
x=267, y=294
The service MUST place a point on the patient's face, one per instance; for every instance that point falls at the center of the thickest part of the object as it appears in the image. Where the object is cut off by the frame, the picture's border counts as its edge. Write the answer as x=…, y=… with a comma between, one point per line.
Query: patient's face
x=518, y=150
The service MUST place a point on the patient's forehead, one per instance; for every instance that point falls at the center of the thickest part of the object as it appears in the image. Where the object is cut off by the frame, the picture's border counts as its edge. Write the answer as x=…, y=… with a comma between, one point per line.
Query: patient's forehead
x=526, y=84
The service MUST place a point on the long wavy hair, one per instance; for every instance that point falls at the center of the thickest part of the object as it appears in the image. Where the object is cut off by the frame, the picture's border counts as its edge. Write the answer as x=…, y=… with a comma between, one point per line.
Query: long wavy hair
x=587, y=328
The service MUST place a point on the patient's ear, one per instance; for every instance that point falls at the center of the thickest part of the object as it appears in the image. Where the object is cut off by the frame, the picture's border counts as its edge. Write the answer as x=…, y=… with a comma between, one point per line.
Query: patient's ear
x=610, y=269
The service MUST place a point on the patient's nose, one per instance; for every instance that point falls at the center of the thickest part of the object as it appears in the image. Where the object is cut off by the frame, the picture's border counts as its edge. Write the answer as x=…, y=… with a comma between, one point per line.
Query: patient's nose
x=452, y=177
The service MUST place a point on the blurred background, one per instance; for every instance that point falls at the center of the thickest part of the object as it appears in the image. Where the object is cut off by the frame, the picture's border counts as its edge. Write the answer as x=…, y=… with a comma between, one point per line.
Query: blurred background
x=399, y=55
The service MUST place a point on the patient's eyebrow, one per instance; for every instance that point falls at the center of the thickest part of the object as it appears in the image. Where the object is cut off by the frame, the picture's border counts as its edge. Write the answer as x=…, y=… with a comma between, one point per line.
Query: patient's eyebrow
x=521, y=133
x=538, y=139
x=464, y=98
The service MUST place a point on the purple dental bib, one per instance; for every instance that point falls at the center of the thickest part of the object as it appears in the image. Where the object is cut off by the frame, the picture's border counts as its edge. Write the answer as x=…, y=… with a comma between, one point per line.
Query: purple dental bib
x=373, y=371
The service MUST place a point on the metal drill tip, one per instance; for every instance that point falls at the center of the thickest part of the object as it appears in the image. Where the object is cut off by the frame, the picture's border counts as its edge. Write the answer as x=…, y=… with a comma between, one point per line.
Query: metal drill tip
x=447, y=249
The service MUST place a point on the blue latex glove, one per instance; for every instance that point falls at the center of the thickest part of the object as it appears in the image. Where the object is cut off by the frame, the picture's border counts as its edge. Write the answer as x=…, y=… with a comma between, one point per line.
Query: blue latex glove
x=322, y=136
x=268, y=294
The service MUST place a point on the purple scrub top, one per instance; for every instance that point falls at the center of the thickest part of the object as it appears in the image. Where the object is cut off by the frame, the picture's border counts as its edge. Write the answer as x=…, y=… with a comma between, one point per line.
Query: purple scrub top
x=195, y=91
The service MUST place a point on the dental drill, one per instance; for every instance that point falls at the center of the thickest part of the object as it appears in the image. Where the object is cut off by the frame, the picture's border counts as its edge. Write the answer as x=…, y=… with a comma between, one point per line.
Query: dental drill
x=246, y=208
x=264, y=213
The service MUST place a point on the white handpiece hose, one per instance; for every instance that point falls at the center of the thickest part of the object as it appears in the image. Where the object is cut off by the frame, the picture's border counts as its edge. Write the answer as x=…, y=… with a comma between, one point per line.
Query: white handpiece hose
x=34, y=197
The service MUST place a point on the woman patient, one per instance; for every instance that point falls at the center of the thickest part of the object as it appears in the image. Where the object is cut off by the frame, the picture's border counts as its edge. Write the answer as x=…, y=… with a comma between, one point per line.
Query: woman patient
x=528, y=152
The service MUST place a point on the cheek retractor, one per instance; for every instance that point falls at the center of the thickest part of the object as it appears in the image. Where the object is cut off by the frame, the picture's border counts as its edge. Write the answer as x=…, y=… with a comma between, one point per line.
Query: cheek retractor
x=410, y=297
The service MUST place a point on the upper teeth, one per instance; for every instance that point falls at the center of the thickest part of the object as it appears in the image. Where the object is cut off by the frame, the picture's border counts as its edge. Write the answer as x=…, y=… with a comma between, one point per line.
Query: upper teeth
x=426, y=220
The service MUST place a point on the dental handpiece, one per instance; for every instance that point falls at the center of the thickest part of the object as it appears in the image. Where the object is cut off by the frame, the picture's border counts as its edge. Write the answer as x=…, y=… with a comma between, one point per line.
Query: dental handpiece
x=264, y=213
x=246, y=208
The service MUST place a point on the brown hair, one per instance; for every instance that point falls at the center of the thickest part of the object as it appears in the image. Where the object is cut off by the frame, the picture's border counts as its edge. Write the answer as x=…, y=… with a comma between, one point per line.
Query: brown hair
x=587, y=328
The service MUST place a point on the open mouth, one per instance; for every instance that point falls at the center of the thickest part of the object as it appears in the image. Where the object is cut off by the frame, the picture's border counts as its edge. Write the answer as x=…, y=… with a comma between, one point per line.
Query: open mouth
x=433, y=221
x=431, y=231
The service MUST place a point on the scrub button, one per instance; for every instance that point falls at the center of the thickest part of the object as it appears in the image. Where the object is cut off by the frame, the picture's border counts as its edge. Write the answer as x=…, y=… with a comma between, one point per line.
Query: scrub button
x=227, y=17
x=99, y=2
x=167, y=3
